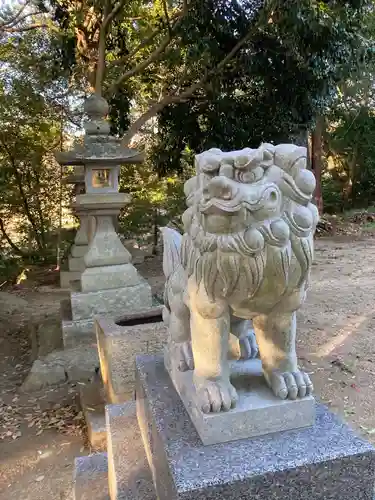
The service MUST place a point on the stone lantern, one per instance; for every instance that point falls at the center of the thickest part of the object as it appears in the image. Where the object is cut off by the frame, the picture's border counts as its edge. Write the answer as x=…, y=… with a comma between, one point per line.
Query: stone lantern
x=110, y=284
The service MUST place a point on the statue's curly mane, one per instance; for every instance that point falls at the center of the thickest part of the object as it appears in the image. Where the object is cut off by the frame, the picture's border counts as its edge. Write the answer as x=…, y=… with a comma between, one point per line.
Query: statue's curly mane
x=224, y=263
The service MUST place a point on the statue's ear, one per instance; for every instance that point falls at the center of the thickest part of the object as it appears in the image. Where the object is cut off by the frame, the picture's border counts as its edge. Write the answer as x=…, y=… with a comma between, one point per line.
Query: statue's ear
x=267, y=155
x=256, y=159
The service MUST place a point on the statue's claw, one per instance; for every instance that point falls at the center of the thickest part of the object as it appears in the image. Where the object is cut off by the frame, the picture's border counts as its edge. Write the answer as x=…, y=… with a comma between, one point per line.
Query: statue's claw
x=216, y=395
x=289, y=385
x=248, y=346
x=186, y=358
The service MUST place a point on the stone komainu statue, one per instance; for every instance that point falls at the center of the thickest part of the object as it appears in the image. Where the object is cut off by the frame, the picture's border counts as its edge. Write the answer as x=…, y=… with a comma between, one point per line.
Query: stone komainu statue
x=246, y=254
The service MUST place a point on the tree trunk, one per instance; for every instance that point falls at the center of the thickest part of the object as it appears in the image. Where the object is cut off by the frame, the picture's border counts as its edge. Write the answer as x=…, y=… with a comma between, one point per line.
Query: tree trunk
x=156, y=233
x=14, y=247
x=352, y=165
x=27, y=207
x=317, y=160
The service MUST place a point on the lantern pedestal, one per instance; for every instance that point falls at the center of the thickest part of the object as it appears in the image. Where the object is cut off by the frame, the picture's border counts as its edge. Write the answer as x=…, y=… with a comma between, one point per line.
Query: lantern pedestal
x=110, y=284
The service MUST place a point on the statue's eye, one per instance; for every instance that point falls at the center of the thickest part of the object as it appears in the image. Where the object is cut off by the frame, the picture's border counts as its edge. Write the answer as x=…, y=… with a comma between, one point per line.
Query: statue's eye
x=250, y=176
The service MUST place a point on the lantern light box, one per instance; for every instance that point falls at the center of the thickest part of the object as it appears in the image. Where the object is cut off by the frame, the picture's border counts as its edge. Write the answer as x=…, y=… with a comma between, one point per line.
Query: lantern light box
x=102, y=180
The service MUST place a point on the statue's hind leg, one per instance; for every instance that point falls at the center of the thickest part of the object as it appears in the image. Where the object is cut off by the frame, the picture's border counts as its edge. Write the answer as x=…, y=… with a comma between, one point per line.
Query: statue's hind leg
x=242, y=344
x=276, y=336
x=179, y=330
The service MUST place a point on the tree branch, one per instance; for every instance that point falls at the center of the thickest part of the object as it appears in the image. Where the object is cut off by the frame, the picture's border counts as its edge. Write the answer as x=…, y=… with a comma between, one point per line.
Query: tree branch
x=153, y=57
x=12, y=25
x=165, y=9
x=14, y=247
x=141, y=66
x=25, y=28
x=144, y=42
x=187, y=93
x=150, y=113
x=100, y=66
x=15, y=18
x=22, y=193
x=109, y=15
x=140, y=46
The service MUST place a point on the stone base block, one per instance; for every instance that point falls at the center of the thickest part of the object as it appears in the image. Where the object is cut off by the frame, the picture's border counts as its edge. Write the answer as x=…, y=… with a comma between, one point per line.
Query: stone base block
x=78, y=333
x=108, y=277
x=93, y=403
x=113, y=302
x=90, y=479
x=79, y=250
x=74, y=365
x=66, y=277
x=118, y=347
x=46, y=338
x=44, y=374
x=258, y=411
x=76, y=264
x=80, y=362
x=324, y=462
x=129, y=474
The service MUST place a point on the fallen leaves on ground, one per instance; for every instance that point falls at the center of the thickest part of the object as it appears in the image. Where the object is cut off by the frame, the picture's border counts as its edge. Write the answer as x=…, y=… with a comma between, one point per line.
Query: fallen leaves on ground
x=344, y=224
x=362, y=217
x=65, y=419
x=342, y=365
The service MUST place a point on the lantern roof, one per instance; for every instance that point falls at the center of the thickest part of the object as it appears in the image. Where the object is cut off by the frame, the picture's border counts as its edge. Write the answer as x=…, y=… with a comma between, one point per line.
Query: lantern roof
x=98, y=147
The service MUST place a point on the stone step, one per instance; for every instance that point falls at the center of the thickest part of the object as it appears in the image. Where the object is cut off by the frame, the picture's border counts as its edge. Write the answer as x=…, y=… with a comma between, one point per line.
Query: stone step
x=90, y=480
x=77, y=364
x=76, y=285
x=79, y=250
x=75, y=333
x=78, y=333
x=66, y=310
x=67, y=277
x=93, y=404
x=76, y=264
x=129, y=475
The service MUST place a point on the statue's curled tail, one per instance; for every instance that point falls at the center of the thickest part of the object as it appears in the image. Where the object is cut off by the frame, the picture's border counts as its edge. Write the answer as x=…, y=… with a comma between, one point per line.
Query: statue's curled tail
x=172, y=240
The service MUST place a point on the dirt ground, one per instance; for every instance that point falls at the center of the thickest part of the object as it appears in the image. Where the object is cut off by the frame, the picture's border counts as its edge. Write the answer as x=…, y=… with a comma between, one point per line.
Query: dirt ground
x=41, y=433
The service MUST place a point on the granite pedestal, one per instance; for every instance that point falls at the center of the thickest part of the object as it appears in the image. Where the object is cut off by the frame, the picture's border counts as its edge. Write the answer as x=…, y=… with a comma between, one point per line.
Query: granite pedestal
x=258, y=411
x=326, y=461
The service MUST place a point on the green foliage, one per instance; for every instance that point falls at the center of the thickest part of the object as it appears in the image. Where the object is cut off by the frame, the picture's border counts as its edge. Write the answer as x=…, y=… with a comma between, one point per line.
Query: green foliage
x=31, y=116
x=9, y=268
x=155, y=201
x=283, y=77
x=290, y=60
x=119, y=111
x=332, y=192
x=351, y=146
x=350, y=137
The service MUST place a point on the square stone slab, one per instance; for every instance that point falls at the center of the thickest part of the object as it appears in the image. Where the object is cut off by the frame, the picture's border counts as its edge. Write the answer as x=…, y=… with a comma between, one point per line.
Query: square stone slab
x=258, y=411
x=326, y=461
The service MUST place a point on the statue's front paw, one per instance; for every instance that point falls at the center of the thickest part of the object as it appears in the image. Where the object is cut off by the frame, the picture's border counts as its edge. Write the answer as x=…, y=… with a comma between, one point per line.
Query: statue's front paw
x=248, y=346
x=185, y=356
x=289, y=385
x=215, y=395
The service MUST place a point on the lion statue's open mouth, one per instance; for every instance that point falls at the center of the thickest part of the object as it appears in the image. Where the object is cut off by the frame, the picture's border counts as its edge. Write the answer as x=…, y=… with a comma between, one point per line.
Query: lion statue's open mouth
x=269, y=197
